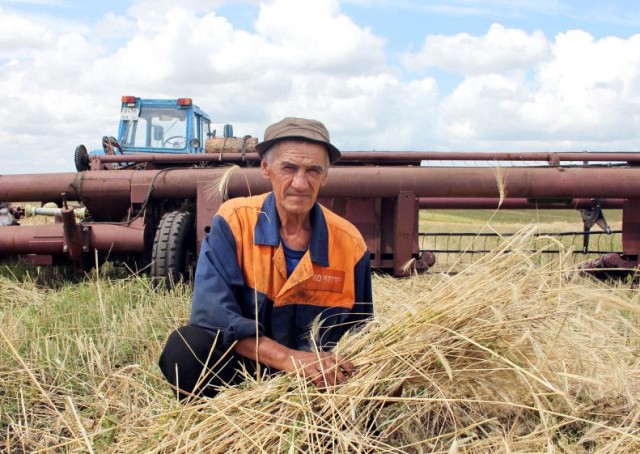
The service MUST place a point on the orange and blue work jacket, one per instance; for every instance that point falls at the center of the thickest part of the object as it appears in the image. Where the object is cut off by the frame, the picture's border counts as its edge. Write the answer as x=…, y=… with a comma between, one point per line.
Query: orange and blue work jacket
x=242, y=288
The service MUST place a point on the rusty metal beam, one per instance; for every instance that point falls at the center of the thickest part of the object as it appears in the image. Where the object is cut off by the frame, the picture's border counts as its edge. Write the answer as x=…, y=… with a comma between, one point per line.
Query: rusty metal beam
x=108, y=187
x=404, y=231
x=553, y=158
x=631, y=227
x=50, y=239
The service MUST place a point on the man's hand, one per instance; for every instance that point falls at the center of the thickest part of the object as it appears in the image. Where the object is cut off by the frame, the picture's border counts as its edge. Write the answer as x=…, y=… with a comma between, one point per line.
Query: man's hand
x=324, y=368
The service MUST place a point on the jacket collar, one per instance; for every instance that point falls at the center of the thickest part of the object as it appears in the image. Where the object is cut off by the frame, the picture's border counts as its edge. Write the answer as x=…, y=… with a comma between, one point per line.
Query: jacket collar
x=267, y=230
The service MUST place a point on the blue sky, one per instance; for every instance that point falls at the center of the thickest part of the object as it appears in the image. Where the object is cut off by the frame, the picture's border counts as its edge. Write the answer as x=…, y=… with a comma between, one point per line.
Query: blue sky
x=405, y=74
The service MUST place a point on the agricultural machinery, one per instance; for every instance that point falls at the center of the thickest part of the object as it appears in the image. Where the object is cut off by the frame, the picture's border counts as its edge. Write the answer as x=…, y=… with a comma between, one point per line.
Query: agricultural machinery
x=151, y=193
x=175, y=126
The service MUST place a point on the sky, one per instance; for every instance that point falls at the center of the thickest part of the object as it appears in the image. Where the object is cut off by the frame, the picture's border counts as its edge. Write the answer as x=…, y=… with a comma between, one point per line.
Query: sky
x=467, y=75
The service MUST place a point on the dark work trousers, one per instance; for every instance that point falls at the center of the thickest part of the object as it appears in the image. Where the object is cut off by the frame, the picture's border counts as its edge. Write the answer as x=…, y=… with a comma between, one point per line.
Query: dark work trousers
x=196, y=363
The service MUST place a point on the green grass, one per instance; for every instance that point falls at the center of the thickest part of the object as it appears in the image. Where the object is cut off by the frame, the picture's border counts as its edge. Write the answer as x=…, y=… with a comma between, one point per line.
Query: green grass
x=73, y=339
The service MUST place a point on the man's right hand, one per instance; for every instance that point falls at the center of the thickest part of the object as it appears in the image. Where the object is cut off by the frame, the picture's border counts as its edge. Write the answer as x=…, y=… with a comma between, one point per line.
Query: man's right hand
x=325, y=369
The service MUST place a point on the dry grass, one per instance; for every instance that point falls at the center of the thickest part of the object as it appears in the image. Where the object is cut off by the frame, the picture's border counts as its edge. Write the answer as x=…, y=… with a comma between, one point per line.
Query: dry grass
x=506, y=356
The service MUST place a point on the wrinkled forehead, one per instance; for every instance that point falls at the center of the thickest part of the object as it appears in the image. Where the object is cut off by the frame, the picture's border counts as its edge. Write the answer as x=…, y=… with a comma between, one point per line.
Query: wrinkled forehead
x=302, y=149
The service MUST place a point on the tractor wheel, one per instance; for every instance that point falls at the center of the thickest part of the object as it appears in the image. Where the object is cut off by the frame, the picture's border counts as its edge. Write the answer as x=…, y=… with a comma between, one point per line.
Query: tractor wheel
x=81, y=158
x=173, y=252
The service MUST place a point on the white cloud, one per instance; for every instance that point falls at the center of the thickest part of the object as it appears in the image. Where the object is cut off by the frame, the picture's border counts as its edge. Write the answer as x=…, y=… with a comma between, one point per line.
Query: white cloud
x=303, y=60
x=517, y=90
x=18, y=34
x=500, y=49
x=314, y=36
x=584, y=96
x=114, y=27
x=593, y=86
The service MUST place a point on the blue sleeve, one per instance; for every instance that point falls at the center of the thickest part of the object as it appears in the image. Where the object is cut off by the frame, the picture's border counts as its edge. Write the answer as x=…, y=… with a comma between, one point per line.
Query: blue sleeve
x=218, y=286
x=363, y=307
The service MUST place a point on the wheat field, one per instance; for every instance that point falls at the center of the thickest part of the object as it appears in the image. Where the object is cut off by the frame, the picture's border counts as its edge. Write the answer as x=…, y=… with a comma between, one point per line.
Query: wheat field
x=507, y=355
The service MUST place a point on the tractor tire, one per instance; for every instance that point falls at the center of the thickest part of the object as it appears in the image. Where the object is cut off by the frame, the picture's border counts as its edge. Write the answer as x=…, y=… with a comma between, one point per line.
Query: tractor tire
x=174, y=247
x=81, y=158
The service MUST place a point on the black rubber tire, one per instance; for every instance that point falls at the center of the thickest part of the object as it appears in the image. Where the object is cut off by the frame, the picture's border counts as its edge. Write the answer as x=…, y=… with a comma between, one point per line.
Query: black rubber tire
x=81, y=158
x=173, y=252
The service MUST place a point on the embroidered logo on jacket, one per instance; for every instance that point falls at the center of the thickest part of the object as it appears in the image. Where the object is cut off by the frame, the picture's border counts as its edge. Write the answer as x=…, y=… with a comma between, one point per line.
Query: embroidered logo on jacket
x=326, y=280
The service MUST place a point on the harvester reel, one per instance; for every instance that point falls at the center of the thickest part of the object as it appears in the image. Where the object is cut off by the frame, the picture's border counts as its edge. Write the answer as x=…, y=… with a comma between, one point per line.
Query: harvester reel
x=81, y=158
x=174, y=248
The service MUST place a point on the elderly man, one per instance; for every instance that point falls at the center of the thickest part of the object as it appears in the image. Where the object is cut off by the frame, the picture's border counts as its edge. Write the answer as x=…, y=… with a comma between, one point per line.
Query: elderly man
x=272, y=266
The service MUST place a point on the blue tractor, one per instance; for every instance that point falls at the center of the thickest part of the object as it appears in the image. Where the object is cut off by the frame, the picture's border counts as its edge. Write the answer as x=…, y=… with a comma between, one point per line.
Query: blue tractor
x=155, y=134
x=154, y=126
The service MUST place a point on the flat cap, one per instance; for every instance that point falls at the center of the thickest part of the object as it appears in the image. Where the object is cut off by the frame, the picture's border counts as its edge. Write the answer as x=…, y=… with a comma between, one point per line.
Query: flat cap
x=298, y=128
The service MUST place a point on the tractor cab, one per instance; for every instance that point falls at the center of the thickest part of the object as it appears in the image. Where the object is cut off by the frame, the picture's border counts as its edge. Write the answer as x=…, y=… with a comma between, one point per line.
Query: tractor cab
x=153, y=126
x=162, y=126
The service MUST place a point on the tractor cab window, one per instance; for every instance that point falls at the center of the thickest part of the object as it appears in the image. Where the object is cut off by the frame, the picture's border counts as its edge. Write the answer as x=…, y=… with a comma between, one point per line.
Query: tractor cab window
x=154, y=127
x=206, y=129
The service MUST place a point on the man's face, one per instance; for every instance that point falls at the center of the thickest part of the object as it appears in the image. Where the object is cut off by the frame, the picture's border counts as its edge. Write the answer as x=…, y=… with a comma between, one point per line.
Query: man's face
x=297, y=172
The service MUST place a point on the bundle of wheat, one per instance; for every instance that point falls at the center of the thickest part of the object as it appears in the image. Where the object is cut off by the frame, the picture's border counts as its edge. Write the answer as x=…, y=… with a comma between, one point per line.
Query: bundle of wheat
x=505, y=356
